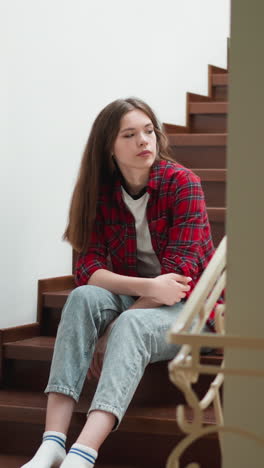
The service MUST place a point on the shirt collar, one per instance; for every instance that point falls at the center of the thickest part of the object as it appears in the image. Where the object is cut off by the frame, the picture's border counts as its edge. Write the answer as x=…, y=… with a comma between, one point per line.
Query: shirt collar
x=154, y=179
x=153, y=182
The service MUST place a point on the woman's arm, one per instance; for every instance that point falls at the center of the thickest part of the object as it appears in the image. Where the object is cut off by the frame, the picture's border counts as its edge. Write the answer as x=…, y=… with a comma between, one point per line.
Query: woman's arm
x=189, y=244
x=120, y=284
x=164, y=289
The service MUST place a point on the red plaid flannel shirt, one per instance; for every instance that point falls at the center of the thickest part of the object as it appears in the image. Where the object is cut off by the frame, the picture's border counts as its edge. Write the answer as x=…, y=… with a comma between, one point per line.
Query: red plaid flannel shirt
x=178, y=225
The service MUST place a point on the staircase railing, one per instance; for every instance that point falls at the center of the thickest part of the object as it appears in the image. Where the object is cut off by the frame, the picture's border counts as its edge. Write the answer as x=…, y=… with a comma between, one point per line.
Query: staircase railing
x=185, y=368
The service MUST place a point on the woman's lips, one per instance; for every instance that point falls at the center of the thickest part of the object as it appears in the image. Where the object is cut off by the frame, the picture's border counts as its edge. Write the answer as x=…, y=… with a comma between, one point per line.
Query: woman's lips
x=144, y=153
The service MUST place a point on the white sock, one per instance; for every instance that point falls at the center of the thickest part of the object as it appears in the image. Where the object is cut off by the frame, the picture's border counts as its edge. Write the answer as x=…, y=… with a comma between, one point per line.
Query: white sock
x=80, y=456
x=51, y=453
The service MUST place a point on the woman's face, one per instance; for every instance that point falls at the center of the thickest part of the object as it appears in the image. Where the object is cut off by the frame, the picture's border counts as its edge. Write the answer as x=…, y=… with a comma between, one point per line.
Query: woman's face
x=135, y=147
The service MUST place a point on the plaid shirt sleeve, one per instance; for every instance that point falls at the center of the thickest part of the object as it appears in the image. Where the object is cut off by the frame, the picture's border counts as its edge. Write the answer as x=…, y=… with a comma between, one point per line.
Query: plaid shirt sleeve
x=184, y=251
x=96, y=256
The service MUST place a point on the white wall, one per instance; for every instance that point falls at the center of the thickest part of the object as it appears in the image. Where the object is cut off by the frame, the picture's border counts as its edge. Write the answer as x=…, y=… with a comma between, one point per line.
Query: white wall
x=63, y=60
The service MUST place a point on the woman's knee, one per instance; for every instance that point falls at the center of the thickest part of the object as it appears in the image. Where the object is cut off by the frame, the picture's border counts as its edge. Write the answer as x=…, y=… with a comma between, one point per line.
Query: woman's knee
x=82, y=292
x=130, y=327
x=131, y=318
x=88, y=294
x=79, y=303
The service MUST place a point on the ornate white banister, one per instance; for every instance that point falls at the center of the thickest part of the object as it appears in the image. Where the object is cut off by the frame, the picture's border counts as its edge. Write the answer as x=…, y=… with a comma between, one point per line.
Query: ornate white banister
x=186, y=367
x=206, y=292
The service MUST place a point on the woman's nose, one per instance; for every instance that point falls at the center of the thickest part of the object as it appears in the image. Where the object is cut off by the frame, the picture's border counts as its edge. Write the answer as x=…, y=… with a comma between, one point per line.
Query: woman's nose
x=142, y=139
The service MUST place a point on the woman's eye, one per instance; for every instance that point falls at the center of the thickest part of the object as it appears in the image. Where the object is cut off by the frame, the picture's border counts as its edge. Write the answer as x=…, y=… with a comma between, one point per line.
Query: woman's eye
x=130, y=135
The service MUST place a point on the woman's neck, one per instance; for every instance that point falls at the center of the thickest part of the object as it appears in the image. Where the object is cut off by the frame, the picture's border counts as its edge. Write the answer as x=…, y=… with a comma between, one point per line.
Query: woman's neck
x=136, y=182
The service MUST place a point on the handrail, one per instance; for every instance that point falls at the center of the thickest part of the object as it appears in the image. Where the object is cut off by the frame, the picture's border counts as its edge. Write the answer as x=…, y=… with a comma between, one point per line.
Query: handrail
x=185, y=368
x=211, y=282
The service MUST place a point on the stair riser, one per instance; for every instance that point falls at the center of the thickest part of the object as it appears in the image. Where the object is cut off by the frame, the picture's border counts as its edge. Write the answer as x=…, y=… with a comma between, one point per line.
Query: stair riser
x=120, y=447
x=215, y=193
x=218, y=232
x=208, y=123
x=220, y=93
x=25, y=438
x=200, y=157
x=154, y=388
x=51, y=319
x=25, y=375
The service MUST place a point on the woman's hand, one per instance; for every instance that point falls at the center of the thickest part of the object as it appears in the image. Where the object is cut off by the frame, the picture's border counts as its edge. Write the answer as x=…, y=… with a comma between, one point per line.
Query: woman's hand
x=169, y=288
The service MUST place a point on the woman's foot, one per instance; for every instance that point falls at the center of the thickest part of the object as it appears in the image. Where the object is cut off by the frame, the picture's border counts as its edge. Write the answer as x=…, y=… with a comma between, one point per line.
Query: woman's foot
x=80, y=456
x=51, y=453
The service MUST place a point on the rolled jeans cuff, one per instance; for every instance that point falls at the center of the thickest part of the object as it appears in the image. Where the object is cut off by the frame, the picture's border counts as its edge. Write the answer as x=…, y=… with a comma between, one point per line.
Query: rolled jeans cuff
x=96, y=406
x=64, y=390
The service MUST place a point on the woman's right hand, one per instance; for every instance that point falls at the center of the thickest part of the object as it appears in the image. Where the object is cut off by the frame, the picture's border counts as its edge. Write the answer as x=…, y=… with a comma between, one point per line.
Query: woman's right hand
x=169, y=288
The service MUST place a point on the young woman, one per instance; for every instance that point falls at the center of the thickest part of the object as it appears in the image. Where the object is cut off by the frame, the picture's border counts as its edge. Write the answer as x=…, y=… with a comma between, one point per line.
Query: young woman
x=139, y=222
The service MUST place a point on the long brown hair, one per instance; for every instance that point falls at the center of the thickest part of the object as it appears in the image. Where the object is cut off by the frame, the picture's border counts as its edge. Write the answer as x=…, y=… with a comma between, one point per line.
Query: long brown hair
x=97, y=166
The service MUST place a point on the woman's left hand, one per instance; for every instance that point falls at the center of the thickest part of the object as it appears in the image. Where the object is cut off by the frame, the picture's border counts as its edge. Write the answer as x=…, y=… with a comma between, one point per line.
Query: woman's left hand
x=98, y=358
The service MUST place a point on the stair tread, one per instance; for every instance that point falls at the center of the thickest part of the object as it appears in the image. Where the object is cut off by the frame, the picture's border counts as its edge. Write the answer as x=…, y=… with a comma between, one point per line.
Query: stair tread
x=64, y=292
x=37, y=341
x=13, y=349
x=159, y=419
x=61, y=298
x=208, y=107
x=200, y=139
x=39, y=348
x=12, y=461
x=216, y=213
x=15, y=461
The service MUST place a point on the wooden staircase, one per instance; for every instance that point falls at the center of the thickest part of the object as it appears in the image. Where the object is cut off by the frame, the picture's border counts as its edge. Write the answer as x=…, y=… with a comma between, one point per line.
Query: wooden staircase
x=149, y=430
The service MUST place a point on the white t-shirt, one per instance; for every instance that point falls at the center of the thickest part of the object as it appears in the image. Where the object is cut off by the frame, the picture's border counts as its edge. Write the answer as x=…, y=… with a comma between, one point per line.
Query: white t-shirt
x=148, y=264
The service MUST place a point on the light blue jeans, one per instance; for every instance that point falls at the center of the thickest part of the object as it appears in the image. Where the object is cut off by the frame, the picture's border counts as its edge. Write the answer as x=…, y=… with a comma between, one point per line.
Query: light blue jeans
x=138, y=337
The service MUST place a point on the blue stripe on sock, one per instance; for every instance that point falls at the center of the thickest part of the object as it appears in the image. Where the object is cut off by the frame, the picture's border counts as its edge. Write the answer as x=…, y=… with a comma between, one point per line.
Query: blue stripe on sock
x=81, y=453
x=55, y=439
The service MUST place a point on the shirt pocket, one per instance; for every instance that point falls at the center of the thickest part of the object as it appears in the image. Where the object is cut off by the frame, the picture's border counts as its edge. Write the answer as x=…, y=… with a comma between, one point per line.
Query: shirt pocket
x=159, y=232
x=115, y=235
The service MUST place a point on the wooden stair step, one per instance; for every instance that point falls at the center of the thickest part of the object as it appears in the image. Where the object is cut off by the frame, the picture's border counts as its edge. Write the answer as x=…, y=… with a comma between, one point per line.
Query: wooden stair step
x=196, y=139
x=208, y=108
x=16, y=461
x=220, y=79
x=199, y=150
x=213, y=183
x=208, y=117
x=219, y=87
x=30, y=407
x=12, y=461
x=219, y=70
x=211, y=175
x=216, y=214
x=60, y=295
x=27, y=366
x=40, y=348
